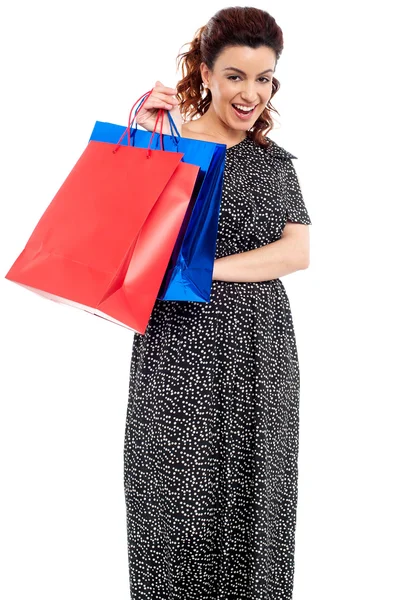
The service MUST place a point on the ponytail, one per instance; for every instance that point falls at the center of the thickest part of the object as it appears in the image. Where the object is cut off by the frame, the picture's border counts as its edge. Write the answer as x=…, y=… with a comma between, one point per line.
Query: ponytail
x=190, y=89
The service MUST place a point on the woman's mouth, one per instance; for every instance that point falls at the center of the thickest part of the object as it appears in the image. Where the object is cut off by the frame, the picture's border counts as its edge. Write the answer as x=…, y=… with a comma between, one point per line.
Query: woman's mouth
x=243, y=112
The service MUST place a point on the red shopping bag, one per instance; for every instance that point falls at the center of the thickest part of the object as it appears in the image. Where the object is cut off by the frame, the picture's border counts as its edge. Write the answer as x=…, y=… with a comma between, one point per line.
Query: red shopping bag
x=83, y=251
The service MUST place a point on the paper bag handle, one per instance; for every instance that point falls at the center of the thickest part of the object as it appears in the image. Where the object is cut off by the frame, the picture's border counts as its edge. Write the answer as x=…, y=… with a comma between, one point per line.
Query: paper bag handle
x=161, y=113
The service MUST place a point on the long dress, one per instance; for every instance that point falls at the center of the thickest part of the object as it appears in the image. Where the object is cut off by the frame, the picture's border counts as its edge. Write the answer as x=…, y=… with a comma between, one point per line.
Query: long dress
x=211, y=439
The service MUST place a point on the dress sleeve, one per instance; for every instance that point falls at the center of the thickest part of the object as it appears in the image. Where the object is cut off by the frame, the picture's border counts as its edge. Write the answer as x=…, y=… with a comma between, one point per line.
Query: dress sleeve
x=296, y=210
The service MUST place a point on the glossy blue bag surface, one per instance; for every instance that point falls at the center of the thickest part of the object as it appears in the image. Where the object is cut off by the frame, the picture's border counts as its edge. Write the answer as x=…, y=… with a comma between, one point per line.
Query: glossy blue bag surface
x=189, y=272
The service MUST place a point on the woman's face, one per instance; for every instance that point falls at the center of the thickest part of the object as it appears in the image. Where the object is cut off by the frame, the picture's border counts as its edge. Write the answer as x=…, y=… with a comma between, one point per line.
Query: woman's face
x=241, y=78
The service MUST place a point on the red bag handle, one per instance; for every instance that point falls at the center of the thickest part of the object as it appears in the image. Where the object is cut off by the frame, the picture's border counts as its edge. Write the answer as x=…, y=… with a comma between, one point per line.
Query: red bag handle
x=161, y=113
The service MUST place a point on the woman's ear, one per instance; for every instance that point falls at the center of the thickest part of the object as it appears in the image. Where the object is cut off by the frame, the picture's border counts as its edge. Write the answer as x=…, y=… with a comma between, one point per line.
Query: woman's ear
x=204, y=74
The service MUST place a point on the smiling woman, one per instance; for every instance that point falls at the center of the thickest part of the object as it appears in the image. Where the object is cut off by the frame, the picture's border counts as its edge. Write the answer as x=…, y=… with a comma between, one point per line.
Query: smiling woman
x=212, y=427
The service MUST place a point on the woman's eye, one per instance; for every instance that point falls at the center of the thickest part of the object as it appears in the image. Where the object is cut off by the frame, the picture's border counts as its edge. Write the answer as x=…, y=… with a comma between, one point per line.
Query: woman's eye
x=231, y=77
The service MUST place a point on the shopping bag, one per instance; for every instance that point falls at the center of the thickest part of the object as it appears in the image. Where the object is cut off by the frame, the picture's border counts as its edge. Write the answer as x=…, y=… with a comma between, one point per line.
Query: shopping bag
x=189, y=272
x=82, y=251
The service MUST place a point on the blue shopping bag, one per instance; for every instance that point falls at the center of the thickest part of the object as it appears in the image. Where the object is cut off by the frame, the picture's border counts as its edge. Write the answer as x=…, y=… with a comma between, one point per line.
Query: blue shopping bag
x=189, y=272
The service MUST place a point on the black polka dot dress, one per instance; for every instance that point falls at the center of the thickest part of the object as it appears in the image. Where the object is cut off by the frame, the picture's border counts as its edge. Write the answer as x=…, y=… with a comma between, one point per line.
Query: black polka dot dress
x=211, y=439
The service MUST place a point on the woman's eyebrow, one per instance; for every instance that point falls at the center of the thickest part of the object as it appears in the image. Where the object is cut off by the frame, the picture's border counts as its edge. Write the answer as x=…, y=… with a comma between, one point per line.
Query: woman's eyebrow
x=243, y=73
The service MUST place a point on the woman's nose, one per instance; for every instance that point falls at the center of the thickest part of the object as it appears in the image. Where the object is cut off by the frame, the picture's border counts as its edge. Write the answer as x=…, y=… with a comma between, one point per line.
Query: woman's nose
x=249, y=94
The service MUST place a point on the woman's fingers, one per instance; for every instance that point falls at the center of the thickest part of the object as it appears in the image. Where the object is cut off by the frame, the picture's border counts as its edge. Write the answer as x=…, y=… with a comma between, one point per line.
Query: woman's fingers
x=159, y=87
x=164, y=94
x=161, y=97
x=159, y=100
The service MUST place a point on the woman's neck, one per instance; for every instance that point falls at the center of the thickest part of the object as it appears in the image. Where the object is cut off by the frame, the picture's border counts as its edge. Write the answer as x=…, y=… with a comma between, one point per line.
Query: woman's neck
x=209, y=128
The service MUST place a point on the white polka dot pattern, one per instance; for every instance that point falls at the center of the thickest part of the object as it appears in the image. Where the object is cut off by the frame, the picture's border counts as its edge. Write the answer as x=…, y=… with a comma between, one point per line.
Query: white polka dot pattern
x=211, y=438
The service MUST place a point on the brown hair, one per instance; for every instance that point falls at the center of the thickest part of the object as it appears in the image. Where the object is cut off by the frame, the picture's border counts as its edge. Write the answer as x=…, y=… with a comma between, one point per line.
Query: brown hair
x=234, y=26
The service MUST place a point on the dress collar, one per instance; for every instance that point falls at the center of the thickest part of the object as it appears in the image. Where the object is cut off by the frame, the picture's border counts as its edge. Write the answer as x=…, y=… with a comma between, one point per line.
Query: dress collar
x=278, y=151
x=271, y=152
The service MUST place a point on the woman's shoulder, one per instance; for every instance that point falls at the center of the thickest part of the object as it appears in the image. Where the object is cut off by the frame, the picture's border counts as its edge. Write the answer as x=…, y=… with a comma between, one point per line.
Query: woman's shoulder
x=275, y=150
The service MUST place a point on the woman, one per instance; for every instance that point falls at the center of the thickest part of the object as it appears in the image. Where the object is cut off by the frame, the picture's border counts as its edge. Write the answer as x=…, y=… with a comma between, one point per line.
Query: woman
x=211, y=442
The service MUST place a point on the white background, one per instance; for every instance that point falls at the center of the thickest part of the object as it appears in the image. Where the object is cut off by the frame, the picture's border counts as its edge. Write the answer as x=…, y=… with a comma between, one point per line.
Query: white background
x=65, y=373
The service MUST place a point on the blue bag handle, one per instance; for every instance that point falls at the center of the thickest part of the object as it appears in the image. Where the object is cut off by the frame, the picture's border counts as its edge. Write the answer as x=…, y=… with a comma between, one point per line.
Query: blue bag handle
x=173, y=126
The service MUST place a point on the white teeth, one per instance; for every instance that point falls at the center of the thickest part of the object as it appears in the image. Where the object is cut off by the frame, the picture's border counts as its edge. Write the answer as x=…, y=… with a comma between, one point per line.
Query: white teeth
x=246, y=108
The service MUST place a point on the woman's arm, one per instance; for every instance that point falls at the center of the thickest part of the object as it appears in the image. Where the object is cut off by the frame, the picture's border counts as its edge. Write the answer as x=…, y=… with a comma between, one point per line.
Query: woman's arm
x=288, y=254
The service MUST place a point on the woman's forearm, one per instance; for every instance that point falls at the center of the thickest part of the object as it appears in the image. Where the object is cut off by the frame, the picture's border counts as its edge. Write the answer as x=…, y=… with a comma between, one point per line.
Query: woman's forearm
x=262, y=264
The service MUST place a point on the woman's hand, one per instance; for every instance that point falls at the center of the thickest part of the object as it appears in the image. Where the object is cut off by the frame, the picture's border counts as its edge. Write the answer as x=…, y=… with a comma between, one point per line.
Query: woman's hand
x=160, y=97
